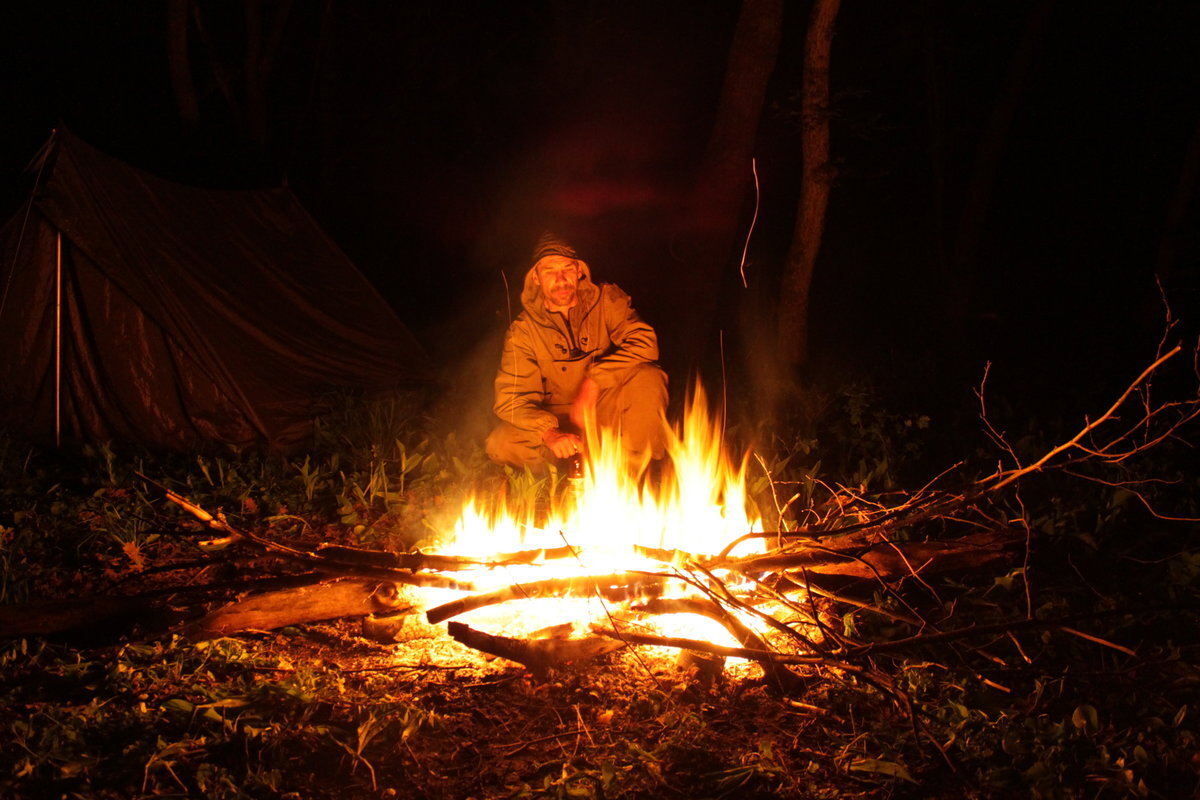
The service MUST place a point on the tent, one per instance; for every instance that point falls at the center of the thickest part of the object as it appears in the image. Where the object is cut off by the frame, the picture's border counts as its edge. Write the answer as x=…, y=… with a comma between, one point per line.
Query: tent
x=136, y=309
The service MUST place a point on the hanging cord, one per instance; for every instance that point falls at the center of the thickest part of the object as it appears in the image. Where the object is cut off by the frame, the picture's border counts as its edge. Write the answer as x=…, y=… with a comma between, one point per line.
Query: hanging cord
x=753, y=220
x=43, y=156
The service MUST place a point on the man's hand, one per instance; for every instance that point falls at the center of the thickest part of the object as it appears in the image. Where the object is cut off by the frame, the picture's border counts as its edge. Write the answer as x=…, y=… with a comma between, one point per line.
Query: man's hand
x=563, y=445
x=585, y=402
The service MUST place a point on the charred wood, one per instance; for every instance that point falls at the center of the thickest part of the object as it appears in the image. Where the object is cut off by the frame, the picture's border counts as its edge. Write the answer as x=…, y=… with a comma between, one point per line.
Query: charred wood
x=340, y=554
x=539, y=655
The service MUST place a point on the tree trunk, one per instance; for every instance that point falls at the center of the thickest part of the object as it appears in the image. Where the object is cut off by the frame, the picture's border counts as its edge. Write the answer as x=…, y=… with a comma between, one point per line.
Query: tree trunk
x=817, y=177
x=258, y=60
x=179, y=65
x=713, y=214
x=1181, y=201
x=937, y=136
x=960, y=280
x=752, y=55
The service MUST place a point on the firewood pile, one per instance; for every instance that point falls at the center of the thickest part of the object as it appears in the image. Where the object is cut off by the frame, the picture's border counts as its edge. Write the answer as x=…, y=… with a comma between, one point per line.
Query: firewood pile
x=777, y=605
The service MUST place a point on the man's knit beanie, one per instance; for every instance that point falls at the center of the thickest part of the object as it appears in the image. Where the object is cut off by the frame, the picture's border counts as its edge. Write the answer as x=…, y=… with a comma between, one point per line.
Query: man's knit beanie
x=550, y=244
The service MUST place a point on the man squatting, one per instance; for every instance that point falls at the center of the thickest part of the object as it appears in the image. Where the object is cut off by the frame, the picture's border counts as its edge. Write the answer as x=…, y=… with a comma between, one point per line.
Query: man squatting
x=577, y=346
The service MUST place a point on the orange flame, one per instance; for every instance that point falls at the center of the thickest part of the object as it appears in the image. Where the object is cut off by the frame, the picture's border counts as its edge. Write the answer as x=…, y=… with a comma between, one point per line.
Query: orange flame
x=698, y=507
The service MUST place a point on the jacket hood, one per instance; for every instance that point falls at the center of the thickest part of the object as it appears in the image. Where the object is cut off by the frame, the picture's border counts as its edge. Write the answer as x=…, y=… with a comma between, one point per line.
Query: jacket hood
x=531, y=295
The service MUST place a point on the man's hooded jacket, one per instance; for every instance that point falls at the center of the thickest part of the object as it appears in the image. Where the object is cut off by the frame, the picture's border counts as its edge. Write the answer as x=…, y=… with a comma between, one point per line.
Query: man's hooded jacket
x=548, y=354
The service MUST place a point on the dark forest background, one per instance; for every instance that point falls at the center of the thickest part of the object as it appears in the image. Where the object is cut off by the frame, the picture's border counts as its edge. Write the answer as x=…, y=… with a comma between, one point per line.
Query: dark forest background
x=1057, y=140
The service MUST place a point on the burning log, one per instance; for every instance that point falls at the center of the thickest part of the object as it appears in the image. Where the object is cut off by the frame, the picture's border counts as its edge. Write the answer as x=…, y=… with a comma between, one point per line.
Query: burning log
x=539, y=655
x=622, y=586
x=667, y=556
x=533, y=556
x=413, y=562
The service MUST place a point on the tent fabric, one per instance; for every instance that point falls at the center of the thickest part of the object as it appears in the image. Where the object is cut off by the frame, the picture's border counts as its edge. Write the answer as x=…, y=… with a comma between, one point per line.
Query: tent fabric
x=187, y=315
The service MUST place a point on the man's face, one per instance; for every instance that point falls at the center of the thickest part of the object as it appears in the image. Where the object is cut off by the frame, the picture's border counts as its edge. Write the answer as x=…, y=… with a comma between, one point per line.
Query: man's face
x=559, y=279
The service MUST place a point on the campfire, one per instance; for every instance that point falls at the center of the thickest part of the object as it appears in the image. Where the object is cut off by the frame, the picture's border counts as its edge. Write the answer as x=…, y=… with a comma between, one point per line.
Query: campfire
x=619, y=550
x=627, y=556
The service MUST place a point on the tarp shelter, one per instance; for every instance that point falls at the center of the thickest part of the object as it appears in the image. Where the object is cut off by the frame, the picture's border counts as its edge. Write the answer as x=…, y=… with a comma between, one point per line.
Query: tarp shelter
x=137, y=309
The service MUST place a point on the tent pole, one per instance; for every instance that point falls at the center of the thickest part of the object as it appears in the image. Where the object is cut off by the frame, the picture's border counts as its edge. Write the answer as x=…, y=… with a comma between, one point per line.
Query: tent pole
x=58, y=340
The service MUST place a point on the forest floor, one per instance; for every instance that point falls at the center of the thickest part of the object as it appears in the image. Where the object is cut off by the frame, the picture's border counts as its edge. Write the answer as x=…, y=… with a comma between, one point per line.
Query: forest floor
x=1070, y=671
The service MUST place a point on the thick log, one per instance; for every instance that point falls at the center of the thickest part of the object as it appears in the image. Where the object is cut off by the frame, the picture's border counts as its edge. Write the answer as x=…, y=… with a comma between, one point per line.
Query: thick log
x=323, y=601
x=539, y=655
x=66, y=616
x=155, y=609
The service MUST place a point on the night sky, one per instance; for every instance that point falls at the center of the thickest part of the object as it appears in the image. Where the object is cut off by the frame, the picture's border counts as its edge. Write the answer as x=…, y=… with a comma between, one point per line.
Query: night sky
x=432, y=140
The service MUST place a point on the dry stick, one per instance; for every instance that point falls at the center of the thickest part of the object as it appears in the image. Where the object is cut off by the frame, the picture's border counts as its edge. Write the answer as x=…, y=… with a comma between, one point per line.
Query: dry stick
x=887, y=587
x=517, y=558
x=826, y=631
x=626, y=585
x=811, y=613
x=817, y=555
x=240, y=586
x=915, y=572
x=762, y=656
x=388, y=559
x=362, y=570
x=822, y=533
x=46, y=618
x=517, y=747
x=784, y=677
x=896, y=616
x=726, y=596
x=174, y=566
x=779, y=510
x=702, y=646
x=934, y=505
x=1097, y=640
x=1003, y=478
